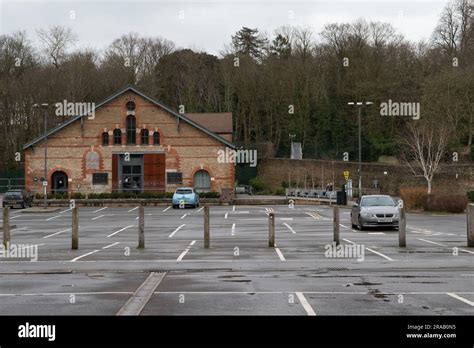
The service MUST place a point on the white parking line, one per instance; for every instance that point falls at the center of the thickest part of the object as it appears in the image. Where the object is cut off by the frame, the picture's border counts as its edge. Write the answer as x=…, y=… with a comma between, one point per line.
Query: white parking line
x=96, y=211
x=428, y=241
x=200, y=209
x=166, y=209
x=349, y=228
x=182, y=217
x=80, y=257
x=286, y=219
x=176, y=230
x=111, y=245
x=280, y=254
x=465, y=300
x=180, y=257
x=132, y=209
x=97, y=217
x=122, y=229
x=65, y=211
x=307, y=307
x=316, y=216
x=444, y=245
x=20, y=229
x=225, y=216
x=232, y=231
x=233, y=208
x=375, y=252
x=51, y=218
x=376, y=233
x=289, y=227
x=50, y=235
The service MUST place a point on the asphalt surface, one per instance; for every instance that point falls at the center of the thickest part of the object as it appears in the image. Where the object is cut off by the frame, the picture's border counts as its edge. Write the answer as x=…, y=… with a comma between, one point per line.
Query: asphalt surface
x=239, y=274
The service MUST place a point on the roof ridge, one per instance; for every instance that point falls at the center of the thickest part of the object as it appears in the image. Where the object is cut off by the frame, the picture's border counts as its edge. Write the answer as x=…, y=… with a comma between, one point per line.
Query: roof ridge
x=133, y=88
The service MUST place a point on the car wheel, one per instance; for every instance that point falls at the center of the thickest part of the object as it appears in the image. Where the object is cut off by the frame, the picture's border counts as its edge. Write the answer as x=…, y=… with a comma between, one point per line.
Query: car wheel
x=359, y=224
x=22, y=205
x=175, y=206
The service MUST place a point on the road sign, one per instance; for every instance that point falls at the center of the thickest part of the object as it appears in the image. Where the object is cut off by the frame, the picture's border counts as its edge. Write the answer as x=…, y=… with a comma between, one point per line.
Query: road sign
x=346, y=175
x=45, y=183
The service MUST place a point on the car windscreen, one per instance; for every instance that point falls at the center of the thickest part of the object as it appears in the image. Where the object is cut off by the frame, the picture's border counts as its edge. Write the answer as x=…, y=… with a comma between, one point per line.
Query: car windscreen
x=377, y=201
x=13, y=194
x=184, y=191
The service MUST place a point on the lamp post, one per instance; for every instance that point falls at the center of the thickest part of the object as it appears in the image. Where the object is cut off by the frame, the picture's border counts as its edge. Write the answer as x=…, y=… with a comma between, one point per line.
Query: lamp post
x=44, y=106
x=359, y=106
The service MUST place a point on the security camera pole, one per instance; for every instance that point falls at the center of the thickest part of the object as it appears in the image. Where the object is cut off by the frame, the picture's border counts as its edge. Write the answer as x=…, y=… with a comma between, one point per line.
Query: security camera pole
x=359, y=106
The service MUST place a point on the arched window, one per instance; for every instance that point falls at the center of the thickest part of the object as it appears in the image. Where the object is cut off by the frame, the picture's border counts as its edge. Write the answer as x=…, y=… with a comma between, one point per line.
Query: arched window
x=117, y=137
x=156, y=138
x=131, y=130
x=130, y=106
x=144, y=136
x=105, y=139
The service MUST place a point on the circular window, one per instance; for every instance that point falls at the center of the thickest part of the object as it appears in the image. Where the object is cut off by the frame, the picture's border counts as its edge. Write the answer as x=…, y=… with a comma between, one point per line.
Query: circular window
x=130, y=106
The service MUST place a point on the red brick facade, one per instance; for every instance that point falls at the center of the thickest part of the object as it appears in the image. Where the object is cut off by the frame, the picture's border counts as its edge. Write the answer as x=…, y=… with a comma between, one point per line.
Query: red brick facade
x=77, y=150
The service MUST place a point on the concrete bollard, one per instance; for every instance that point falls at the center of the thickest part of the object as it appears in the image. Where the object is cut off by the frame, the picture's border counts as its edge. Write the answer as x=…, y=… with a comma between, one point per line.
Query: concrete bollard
x=271, y=230
x=206, y=227
x=75, y=228
x=402, y=228
x=470, y=225
x=141, y=227
x=6, y=226
x=335, y=214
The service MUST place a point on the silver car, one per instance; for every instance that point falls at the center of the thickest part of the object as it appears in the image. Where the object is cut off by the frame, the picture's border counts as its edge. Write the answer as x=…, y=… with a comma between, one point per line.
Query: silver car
x=374, y=210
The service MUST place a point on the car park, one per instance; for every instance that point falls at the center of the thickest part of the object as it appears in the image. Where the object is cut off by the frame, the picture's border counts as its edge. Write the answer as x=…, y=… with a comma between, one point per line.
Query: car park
x=17, y=198
x=185, y=197
x=374, y=211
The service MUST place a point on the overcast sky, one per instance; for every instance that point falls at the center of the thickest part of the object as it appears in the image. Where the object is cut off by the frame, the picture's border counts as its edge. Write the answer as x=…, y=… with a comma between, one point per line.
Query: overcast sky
x=208, y=25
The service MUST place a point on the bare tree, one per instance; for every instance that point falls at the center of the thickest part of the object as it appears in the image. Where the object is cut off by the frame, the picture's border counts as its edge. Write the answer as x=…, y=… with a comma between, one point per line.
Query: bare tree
x=425, y=144
x=55, y=41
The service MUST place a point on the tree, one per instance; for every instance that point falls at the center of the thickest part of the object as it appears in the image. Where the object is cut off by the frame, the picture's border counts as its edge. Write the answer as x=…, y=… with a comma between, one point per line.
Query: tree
x=424, y=145
x=281, y=46
x=249, y=42
x=55, y=41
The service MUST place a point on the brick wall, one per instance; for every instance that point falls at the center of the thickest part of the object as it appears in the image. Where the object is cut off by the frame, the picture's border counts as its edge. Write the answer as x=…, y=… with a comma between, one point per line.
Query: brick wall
x=186, y=150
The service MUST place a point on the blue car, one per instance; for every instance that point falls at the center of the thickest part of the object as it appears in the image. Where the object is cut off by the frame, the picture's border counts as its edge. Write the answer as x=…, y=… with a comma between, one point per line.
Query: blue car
x=185, y=197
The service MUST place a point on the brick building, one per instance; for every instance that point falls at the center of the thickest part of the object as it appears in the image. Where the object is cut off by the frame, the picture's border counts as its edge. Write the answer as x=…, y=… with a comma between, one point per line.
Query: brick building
x=132, y=143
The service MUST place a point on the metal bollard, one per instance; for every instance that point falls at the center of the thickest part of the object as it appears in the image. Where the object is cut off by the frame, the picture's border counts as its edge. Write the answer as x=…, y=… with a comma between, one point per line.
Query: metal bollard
x=402, y=228
x=141, y=227
x=206, y=227
x=75, y=228
x=271, y=230
x=335, y=214
x=470, y=225
x=6, y=226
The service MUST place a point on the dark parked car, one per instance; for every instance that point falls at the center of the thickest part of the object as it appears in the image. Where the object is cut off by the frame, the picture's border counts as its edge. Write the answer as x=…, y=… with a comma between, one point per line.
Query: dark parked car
x=21, y=198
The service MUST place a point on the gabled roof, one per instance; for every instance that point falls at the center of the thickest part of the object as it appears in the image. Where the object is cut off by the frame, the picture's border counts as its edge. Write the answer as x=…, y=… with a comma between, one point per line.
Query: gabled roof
x=143, y=95
x=217, y=122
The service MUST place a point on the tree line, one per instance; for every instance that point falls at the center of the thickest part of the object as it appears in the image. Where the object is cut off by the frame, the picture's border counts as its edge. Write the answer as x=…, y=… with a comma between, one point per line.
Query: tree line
x=294, y=81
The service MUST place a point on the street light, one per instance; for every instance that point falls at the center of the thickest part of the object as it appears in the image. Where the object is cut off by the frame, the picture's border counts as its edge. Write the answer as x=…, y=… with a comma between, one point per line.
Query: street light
x=44, y=106
x=359, y=105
